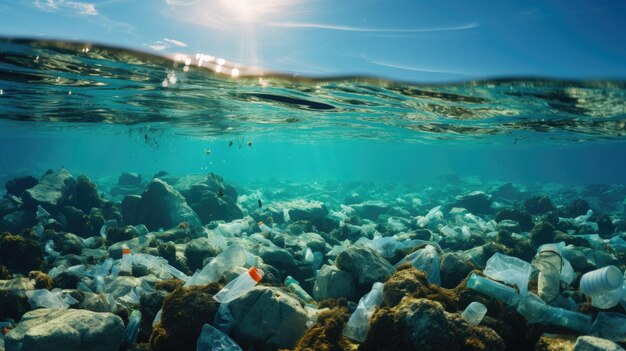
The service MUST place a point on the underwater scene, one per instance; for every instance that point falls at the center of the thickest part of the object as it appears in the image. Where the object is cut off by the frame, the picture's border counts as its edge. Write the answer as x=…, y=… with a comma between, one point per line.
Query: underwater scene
x=154, y=202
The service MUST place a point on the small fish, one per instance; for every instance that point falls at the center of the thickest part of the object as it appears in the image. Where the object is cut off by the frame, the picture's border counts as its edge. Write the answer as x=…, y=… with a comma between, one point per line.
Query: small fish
x=249, y=143
x=231, y=143
x=220, y=193
x=207, y=152
x=260, y=203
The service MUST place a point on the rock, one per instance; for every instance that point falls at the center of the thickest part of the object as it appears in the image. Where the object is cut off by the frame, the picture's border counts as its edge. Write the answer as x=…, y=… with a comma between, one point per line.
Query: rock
x=9, y=204
x=327, y=334
x=275, y=256
x=13, y=303
x=555, y=342
x=17, y=186
x=542, y=233
x=117, y=234
x=475, y=202
x=592, y=343
x=72, y=244
x=365, y=264
x=267, y=318
x=66, y=330
x=84, y=195
x=119, y=286
x=211, y=203
x=129, y=208
x=82, y=224
x=161, y=206
x=605, y=226
x=67, y=280
x=454, y=268
x=538, y=204
x=20, y=254
x=312, y=211
x=333, y=283
x=577, y=208
x=150, y=304
x=524, y=219
x=421, y=324
x=129, y=179
x=184, y=313
x=42, y=281
x=17, y=222
x=51, y=190
x=370, y=209
x=198, y=250
x=410, y=281
x=95, y=302
x=313, y=241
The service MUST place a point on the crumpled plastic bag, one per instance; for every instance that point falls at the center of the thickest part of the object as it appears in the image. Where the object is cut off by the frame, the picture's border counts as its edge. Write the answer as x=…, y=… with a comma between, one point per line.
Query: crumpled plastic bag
x=50, y=299
x=212, y=339
x=510, y=270
x=426, y=260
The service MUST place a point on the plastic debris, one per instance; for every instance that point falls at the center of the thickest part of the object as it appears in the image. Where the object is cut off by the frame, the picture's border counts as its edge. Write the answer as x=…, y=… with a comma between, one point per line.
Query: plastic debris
x=212, y=339
x=295, y=287
x=510, y=270
x=358, y=324
x=50, y=299
x=132, y=329
x=474, y=313
x=427, y=260
x=239, y=286
x=232, y=256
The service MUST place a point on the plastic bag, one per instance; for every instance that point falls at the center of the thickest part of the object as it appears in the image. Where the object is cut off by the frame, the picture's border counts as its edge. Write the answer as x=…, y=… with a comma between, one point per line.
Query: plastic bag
x=50, y=299
x=358, y=324
x=611, y=326
x=132, y=329
x=212, y=339
x=510, y=270
x=224, y=320
x=232, y=256
x=427, y=260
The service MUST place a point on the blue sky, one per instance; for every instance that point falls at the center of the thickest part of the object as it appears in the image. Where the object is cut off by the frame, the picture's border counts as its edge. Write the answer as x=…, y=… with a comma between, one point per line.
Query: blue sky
x=411, y=40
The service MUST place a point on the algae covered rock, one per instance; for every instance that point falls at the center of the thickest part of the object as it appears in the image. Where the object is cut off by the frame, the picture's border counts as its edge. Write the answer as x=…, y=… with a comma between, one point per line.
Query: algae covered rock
x=327, y=333
x=409, y=281
x=84, y=195
x=19, y=253
x=538, y=204
x=365, y=264
x=17, y=221
x=66, y=330
x=542, y=233
x=524, y=220
x=184, y=313
x=161, y=206
x=267, y=319
x=422, y=324
x=17, y=186
x=475, y=202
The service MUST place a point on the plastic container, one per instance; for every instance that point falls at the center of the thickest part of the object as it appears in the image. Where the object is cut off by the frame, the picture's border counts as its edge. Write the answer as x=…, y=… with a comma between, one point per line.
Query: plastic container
x=493, y=289
x=537, y=311
x=239, y=286
x=474, y=313
x=601, y=280
x=426, y=260
x=510, y=270
x=608, y=299
x=132, y=329
x=295, y=287
x=265, y=229
x=358, y=324
x=126, y=262
x=212, y=339
x=232, y=256
x=611, y=326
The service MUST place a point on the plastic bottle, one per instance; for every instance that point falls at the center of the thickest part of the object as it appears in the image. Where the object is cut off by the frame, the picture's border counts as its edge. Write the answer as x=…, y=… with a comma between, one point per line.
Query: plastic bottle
x=358, y=324
x=601, y=280
x=537, y=311
x=126, y=263
x=232, y=256
x=265, y=229
x=493, y=289
x=212, y=339
x=239, y=286
x=295, y=287
x=474, y=313
x=132, y=329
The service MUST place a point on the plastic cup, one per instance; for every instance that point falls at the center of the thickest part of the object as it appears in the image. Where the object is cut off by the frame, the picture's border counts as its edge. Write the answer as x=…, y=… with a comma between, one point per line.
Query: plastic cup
x=474, y=313
x=601, y=281
x=493, y=289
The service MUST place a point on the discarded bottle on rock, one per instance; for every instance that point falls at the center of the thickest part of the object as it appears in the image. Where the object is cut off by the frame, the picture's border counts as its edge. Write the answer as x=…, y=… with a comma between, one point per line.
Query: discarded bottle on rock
x=212, y=339
x=265, y=229
x=474, y=313
x=358, y=324
x=493, y=289
x=295, y=287
x=239, y=286
x=132, y=329
x=536, y=311
x=126, y=263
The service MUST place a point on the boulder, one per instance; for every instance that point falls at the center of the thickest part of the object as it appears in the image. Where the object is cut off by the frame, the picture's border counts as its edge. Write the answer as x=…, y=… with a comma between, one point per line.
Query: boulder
x=267, y=318
x=129, y=179
x=555, y=342
x=312, y=211
x=454, y=268
x=84, y=195
x=66, y=330
x=542, y=233
x=161, y=206
x=365, y=264
x=17, y=221
x=592, y=343
x=422, y=324
x=538, y=204
x=211, y=204
x=129, y=208
x=333, y=283
x=371, y=209
x=17, y=186
x=20, y=254
x=51, y=190
x=524, y=220
x=198, y=250
x=9, y=204
x=475, y=202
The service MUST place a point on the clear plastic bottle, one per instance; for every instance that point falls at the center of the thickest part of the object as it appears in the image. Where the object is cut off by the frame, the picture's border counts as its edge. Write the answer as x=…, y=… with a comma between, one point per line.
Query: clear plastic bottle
x=493, y=289
x=239, y=286
x=474, y=313
x=126, y=263
x=295, y=287
x=358, y=324
x=132, y=328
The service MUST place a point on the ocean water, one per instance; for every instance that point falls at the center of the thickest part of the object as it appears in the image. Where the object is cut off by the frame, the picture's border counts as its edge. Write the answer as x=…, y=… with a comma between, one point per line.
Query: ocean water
x=371, y=155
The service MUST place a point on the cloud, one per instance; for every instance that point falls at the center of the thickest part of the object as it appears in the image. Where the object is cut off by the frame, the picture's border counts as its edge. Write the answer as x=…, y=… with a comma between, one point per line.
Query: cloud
x=81, y=8
x=175, y=42
x=166, y=43
x=371, y=30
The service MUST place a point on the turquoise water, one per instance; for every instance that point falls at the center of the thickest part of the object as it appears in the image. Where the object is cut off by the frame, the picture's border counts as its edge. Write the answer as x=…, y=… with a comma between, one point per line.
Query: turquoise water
x=101, y=111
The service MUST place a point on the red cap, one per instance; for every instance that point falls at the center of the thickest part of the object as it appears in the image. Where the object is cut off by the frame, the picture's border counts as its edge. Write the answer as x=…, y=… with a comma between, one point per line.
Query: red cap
x=125, y=251
x=255, y=273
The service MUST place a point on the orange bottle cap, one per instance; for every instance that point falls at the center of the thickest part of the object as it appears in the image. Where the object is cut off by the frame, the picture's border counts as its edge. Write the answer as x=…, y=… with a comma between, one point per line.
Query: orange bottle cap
x=260, y=223
x=125, y=251
x=255, y=273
